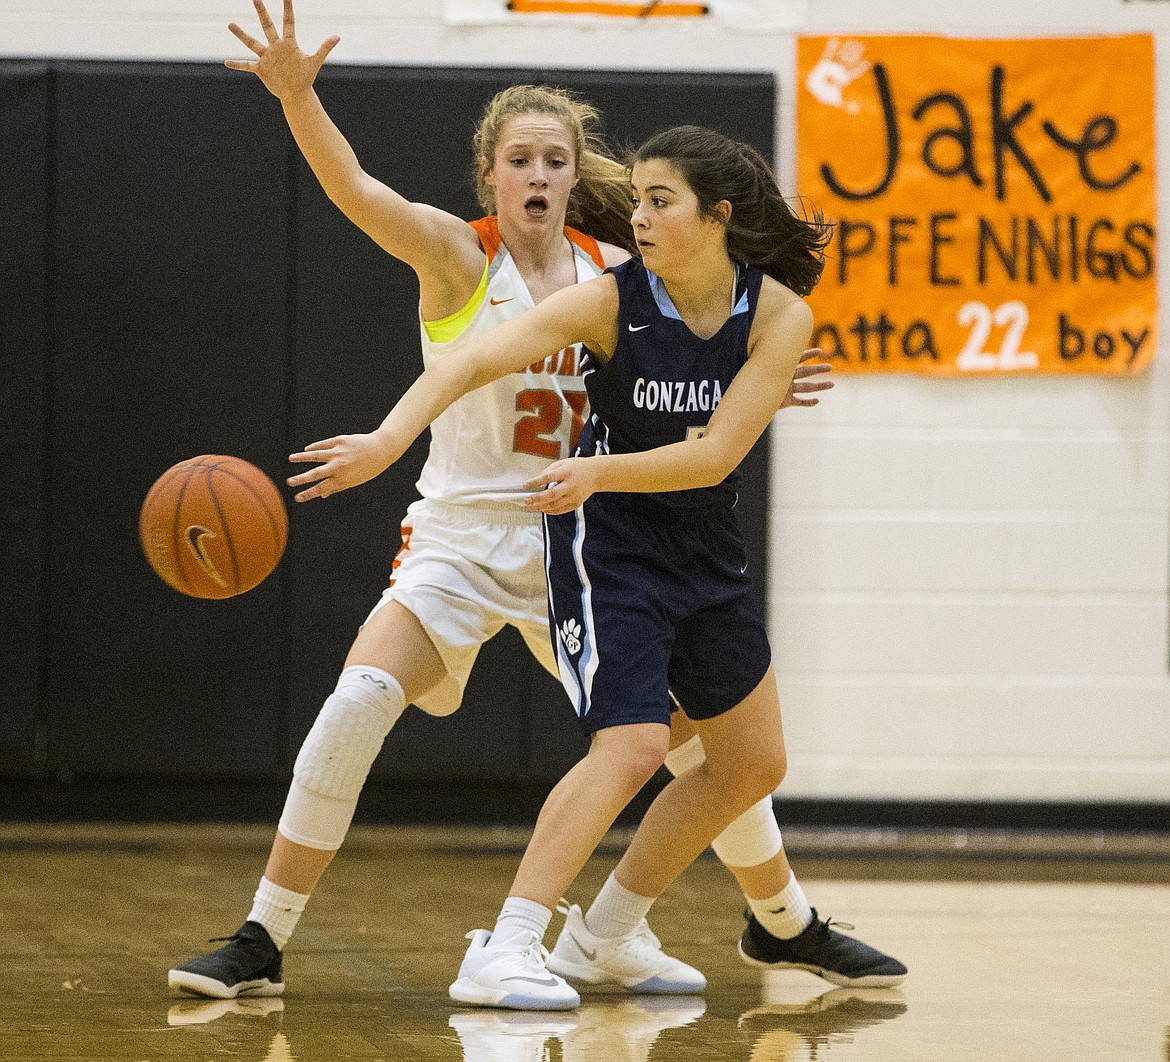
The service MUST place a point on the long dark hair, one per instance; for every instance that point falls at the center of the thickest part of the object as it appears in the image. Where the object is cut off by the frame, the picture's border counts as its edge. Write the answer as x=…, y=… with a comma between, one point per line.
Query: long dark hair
x=763, y=231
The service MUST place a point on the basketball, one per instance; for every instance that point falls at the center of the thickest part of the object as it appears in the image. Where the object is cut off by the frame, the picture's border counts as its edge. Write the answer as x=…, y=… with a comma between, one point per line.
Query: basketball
x=213, y=526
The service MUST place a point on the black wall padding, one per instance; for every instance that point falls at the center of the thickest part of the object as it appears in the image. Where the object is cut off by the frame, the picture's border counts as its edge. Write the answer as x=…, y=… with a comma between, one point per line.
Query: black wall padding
x=169, y=337
x=191, y=290
x=24, y=203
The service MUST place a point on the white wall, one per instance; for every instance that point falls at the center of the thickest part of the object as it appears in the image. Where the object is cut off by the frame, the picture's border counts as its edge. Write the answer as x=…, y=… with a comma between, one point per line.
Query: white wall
x=970, y=578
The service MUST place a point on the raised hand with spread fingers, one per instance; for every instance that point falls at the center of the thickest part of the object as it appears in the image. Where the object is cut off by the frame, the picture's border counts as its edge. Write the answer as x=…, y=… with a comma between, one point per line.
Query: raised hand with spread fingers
x=280, y=63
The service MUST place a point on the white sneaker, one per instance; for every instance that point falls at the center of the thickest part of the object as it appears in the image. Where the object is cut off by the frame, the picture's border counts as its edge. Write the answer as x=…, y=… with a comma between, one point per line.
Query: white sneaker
x=510, y=974
x=635, y=961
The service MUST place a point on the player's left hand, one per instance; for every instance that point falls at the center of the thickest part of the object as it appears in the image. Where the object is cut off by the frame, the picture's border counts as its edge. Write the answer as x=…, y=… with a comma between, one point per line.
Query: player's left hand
x=802, y=385
x=344, y=461
x=569, y=483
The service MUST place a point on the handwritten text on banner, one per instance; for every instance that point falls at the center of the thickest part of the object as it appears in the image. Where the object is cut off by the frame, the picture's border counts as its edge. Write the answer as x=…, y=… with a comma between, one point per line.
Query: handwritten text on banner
x=994, y=201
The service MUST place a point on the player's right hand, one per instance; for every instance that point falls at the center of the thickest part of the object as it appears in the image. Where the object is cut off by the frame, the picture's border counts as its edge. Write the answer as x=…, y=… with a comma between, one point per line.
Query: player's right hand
x=344, y=461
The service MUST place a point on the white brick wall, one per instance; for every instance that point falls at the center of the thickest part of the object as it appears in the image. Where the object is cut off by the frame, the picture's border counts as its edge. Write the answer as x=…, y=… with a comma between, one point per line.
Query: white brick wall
x=970, y=578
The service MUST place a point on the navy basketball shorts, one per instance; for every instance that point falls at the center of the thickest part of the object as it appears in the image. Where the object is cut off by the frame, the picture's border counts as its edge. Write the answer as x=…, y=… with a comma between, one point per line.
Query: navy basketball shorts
x=645, y=600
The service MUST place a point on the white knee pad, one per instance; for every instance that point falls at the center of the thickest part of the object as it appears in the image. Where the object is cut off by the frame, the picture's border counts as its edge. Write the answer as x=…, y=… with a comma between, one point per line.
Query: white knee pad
x=315, y=821
x=336, y=756
x=348, y=732
x=750, y=840
x=687, y=755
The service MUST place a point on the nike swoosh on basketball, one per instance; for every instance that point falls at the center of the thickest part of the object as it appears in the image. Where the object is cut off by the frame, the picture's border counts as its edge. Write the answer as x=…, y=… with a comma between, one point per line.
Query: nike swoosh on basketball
x=499, y=302
x=195, y=537
x=590, y=955
x=552, y=981
x=638, y=329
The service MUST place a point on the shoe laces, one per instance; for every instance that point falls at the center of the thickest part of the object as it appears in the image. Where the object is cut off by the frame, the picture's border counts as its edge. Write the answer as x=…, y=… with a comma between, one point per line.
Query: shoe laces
x=533, y=954
x=248, y=940
x=642, y=941
x=830, y=922
x=536, y=957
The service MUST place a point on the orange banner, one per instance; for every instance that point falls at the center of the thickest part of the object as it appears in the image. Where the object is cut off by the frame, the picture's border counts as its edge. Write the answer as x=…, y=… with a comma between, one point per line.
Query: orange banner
x=994, y=202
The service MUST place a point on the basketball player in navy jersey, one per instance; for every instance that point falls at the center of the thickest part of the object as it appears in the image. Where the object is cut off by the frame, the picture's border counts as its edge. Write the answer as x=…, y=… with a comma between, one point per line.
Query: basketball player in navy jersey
x=691, y=350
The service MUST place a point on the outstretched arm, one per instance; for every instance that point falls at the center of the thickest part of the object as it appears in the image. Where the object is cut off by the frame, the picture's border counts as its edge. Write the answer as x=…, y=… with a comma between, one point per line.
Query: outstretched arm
x=422, y=236
x=760, y=388
x=582, y=313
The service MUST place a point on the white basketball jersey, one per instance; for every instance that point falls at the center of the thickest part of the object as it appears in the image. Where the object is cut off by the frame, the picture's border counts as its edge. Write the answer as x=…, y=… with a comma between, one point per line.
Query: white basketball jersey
x=489, y=443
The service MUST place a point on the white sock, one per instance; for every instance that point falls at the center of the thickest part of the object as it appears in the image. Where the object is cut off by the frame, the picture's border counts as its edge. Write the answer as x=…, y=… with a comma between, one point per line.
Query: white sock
x=278, y=910
x=616, y=911
x=786, y=914
x=519, y=915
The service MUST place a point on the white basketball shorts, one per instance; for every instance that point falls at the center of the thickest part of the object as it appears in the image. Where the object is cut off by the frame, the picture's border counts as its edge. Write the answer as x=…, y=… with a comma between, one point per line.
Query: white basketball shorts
x=465, y=571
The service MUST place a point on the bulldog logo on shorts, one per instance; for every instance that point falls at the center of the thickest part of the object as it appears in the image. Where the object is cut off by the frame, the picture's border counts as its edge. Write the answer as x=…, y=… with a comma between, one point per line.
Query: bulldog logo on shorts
x=570, y=632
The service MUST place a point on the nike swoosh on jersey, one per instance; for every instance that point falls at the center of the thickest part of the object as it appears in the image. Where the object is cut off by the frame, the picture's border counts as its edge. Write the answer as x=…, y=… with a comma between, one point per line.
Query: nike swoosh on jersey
x=638, y=329
x=500, y=302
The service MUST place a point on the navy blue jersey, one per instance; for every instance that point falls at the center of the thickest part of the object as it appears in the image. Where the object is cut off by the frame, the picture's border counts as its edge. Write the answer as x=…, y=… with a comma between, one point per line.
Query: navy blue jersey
x=663, y=382
x=640, y=605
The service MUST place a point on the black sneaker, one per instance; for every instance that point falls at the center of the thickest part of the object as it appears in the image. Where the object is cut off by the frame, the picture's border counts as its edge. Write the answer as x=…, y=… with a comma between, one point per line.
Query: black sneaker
x=247, y=965
x=823, y=951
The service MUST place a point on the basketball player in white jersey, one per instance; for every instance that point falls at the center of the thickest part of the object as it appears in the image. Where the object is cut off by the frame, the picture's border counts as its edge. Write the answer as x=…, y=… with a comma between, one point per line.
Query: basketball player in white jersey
x=472, y=556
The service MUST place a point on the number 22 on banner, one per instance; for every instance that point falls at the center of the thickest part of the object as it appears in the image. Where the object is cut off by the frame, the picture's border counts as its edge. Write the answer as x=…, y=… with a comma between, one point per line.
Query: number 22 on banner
x=1013, y=316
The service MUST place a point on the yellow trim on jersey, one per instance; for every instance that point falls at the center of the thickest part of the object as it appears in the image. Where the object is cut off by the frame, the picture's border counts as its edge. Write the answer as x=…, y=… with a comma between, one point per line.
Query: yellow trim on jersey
x=443, y=331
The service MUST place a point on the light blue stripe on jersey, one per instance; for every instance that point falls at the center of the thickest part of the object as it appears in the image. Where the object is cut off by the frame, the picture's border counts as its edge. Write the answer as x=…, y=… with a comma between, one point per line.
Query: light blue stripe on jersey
x=666, y=304
x=600, y=436
x=589, y=658
x=578, y=681
x=568, y=676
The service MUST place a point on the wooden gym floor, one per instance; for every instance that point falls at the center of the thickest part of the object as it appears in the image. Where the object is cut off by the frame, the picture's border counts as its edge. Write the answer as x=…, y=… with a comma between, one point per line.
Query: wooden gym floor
x=1047, y=951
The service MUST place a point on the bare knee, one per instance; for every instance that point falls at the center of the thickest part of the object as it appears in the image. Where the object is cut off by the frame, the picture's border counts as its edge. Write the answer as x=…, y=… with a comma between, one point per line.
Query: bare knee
x=769, y=773
x=632, y=753
x=751, y=777
x=394, y=639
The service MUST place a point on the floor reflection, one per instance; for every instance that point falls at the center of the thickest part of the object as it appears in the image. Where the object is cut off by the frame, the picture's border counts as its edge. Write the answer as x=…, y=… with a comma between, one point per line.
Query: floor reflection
x=625, y=1029
x=783, y=1032
x=202, y=1011
x=1000, y=971
x=622, y=1031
